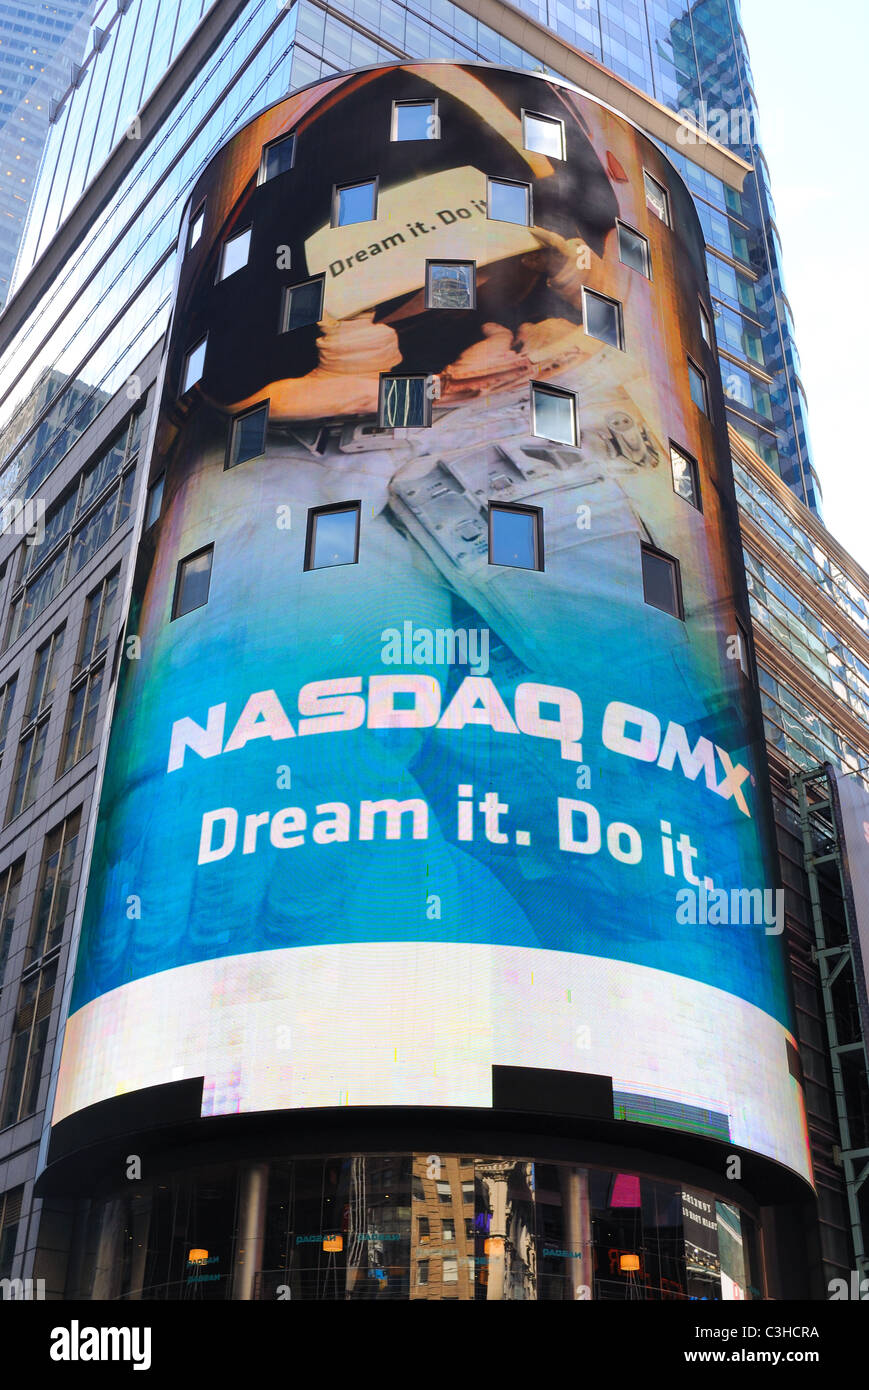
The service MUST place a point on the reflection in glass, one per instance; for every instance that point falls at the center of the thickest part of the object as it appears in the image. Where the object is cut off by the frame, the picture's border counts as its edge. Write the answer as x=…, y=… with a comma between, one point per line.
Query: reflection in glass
x=509, y=202
x=554, y=415
x=513, y=537
x=450, y=285
x=333, y=537
x=355, y=202
x=543, y=134
x=278, y=158
x=634, y=250
x=685, y=477
x=414, y=120
x=403, y=402
x=194, y=578
x=602, y=318
x=303, y=305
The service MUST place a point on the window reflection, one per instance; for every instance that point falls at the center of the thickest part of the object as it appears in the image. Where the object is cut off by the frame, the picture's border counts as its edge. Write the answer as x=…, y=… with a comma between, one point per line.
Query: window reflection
x=433, y=1227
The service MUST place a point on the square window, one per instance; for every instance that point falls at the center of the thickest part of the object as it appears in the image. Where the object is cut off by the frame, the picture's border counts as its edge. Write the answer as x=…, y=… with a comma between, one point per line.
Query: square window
x=247, y=436
x=333, y=536
x=154, y=502
x=415, y=120
x=686, y=477
x=278, y=158
x=197, y=222
x=657, y=198
x=634, y=250
x=705, y=326
x=553, y=414
x=404, y=403
x=450, y=285
x=354, y=202
x=193, y=365
x=697, y=382
x=543, y=134
x=515, y=537
x=662, y=587
x=510, y=202
x=192, y=582
x=303, y=305
x=602, y=318
x=235, y=254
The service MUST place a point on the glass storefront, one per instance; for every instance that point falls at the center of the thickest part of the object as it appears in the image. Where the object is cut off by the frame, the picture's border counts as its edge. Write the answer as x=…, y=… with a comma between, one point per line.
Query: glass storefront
x=416, y=1226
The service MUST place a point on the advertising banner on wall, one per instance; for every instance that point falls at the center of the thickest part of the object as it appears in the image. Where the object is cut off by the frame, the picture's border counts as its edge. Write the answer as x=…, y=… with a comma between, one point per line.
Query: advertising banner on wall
x=371, y=828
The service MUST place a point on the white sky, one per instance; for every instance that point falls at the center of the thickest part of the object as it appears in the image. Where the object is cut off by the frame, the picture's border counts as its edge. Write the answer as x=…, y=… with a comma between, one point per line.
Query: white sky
x=812, y=86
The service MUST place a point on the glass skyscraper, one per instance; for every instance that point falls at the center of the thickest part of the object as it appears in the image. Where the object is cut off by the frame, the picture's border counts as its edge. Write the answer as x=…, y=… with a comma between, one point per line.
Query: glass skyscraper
x=38, y=42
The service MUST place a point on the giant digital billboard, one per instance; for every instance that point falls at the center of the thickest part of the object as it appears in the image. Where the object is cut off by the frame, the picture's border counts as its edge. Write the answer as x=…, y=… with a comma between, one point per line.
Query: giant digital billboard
x=381, y=814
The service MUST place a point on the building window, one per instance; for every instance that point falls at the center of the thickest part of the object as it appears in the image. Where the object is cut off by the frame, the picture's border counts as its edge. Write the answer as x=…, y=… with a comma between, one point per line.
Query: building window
x=744, y=651
x=697, y=382
x=87, y=686
x=302, y=305
x=448, y=1231
x=10, y=888
x=27, y=1052
x=192, y=582
x=602, y=318
x=444, y=1191
x=354, y=202
x=450, y=285
x=53, y=896
x=235, y=253
x=11, y=1203
x=422, y=1272
x=634, y=250
x=154, y=502
x=415, y=120
x=662, y=584
x=7, y=700
x=451, y=1271
x=404, y=403
x=333, y=536
x=193, y=365
x=509, y=202
x=277, y=158
x=657, y=198
x=197, y=222
x=705, y=326
x=686, y=476
x=543, y=134
x=34, y=731
x=423, y=1229
x=515, y=537
x=553, y=414
x=247, y=436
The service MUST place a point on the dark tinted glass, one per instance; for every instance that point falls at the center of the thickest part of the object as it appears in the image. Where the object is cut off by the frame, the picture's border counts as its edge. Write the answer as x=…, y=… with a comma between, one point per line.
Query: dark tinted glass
x=661, y=583
x=279, y=157
x=249, y=436
x=194, y=578
x=303, y=305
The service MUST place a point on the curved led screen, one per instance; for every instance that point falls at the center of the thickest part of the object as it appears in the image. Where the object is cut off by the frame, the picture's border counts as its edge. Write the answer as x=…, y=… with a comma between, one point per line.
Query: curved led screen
x=435, y=750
